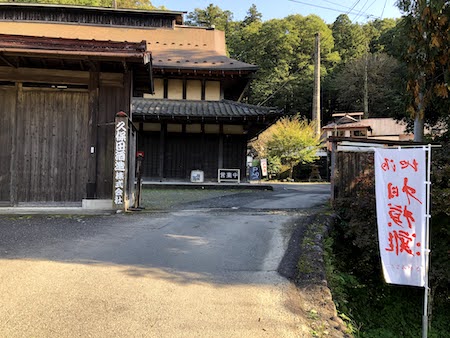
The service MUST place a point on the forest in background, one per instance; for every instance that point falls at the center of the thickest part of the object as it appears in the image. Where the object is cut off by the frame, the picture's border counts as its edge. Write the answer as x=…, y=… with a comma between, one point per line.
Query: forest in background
x=391, y=53
x=405, y=61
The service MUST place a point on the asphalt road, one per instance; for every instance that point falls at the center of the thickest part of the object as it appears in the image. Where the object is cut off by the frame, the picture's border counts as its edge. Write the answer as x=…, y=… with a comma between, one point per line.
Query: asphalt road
x=204, y=269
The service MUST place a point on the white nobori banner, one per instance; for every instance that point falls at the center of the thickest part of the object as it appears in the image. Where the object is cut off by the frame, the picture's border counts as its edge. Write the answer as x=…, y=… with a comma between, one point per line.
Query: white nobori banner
x=400, y=184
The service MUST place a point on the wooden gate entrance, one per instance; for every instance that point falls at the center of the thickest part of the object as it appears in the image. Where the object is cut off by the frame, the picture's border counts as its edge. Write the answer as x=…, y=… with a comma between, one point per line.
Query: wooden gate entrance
x=44, y=149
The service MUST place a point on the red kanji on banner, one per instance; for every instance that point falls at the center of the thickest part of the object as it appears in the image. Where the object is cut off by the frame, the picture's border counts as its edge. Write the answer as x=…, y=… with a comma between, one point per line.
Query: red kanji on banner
x=408, y=216
x=392, y=191
x=405, y=164
x=409, y=191
x=388, y=165
x=401, y=193
x=395, y=212
x=399, y=242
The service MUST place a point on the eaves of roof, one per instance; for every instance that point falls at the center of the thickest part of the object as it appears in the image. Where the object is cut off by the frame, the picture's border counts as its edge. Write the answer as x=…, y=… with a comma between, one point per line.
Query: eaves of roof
x=161, y=108
x=27, y=45
x=356, y=125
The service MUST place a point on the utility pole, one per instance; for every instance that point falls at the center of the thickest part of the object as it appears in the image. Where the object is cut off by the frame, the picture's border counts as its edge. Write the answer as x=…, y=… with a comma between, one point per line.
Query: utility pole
x=366, y=86
x=316, y=94
x=115, y=4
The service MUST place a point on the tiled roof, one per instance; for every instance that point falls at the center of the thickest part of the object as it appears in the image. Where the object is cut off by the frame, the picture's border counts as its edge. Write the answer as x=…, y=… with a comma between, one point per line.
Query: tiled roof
x=346, y=125
x=18, y=44
x=207, y=109
x=189, y=48
x=196, y=58
x=379, y=126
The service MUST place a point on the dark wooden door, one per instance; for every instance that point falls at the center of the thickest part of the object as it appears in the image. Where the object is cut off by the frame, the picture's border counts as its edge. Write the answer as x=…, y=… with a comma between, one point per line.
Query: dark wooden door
x=7, y=111
x=52, y=147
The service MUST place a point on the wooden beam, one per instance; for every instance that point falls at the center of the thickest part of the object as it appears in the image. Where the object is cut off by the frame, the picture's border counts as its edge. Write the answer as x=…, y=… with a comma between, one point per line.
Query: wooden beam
x=112, y=80
x=333, y=171
x=94, y=88
x=6, y=61
x=57, y=76
x=43, y=75
x=220, y=159
x=162, y=146
x=14, y=143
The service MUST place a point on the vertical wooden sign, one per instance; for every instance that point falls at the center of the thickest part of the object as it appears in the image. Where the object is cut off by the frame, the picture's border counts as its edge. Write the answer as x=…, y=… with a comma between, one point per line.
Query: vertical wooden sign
x=120, y=162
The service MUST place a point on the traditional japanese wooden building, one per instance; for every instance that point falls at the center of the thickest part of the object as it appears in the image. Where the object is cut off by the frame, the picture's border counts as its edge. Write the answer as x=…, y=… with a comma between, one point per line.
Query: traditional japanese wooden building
x=57, y=99
x=65, y=71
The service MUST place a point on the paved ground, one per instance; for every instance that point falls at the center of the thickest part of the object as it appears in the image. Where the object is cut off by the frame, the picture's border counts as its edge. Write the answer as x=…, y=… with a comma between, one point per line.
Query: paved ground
x=203, y=269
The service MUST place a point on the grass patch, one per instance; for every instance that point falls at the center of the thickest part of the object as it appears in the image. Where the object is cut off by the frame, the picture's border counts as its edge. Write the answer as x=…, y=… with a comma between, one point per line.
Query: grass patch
x=374, y=309
x=160, y=199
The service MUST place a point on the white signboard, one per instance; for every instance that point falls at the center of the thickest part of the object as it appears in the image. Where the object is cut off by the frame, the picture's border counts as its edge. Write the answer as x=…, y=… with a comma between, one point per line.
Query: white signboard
x=400, y=176
x=229, y=175
x=264, y=166
x=120, y=162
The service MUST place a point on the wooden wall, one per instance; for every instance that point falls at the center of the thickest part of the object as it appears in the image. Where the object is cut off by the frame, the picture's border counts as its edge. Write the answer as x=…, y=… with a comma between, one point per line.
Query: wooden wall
x=52, y=145
x=47, y=133
x=184, y=152
x=84, y=16
x=235, y=152
x=350, y=168
x=7, y=109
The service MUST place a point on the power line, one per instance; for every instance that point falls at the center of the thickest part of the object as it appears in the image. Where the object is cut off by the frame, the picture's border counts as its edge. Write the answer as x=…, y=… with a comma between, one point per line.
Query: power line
x=356, y=3
x=382, y=12
x=322, y=7
x=350, y=10
x=365, y=12
x=335, y=3
x=360, y=11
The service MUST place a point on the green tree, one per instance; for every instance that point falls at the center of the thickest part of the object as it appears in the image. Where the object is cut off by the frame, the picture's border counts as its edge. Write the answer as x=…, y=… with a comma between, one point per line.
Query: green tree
x=385, y=85
x=375, y=31
x=427, y=54
x=283, y=49
x=253, y=15
x=349, y=39
x=293, y=141
x=211, y=15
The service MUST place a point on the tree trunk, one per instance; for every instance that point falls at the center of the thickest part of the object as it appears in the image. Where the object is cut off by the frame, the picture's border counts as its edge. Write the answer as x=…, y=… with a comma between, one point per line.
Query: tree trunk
x=291, y=170
x=419, y=122
x=418, y=128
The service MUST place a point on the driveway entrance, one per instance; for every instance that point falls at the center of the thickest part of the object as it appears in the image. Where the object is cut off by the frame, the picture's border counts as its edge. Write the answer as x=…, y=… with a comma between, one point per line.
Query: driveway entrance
x=195, y=270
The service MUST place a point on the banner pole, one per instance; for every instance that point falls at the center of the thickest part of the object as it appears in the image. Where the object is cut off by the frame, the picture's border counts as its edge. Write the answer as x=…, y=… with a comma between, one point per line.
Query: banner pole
x=427, y=245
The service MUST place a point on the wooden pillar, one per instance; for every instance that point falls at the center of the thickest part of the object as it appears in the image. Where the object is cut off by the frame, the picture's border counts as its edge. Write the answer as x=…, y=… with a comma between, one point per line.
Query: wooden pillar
x=333, y=170
x=14, y=143
x=166, y=88
x=162, y=149
x=203, y=90
x=94, y=84
x=184, y=89
x=220, y=159
x=128, y=84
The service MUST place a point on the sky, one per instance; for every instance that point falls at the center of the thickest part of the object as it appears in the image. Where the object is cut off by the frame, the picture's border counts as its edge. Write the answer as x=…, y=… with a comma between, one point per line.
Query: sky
x=328, y=10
